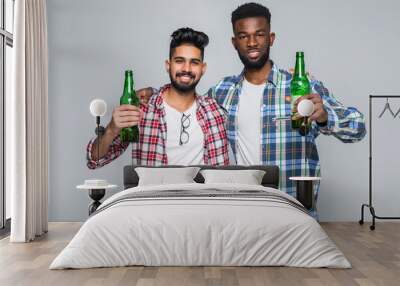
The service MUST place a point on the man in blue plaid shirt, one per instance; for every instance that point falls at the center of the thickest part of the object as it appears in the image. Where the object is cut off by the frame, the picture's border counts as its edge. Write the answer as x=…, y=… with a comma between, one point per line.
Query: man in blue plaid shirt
x=258, y=103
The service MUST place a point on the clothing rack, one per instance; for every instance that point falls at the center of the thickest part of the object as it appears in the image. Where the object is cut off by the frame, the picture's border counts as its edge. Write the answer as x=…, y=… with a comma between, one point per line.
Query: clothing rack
x=370, y=205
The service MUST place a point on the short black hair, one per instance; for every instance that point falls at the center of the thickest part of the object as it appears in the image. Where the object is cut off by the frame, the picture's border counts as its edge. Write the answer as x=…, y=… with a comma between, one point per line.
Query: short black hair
x=249, y=10
x=188, y=36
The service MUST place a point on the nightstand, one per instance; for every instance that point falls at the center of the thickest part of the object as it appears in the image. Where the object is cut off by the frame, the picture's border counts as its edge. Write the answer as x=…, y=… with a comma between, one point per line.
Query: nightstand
x=97, y=190
x=305, y=190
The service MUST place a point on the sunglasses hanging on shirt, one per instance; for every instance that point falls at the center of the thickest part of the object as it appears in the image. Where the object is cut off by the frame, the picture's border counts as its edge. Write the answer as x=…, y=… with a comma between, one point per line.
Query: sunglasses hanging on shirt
x=185, y=123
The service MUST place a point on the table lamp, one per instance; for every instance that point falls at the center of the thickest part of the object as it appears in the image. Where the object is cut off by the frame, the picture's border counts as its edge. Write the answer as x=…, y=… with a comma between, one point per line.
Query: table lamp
x=98, y=108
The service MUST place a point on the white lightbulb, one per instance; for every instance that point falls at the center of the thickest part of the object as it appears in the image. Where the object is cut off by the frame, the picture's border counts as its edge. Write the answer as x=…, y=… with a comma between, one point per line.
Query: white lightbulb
x=305, y=107
x=98, y=107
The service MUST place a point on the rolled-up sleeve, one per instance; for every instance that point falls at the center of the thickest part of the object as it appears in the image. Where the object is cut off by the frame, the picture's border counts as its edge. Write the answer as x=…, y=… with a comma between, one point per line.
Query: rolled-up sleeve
x=114, y=151
x=345, y=123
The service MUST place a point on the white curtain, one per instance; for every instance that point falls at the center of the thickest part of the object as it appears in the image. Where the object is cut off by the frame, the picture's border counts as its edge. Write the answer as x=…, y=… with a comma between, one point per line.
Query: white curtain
x=27, y=123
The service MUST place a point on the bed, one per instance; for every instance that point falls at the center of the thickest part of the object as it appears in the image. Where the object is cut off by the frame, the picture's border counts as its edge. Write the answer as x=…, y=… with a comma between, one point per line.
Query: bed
x=201, y=224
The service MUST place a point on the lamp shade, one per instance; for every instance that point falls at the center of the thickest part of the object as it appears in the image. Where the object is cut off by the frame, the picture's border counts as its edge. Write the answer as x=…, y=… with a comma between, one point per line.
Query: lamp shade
x=98, y=107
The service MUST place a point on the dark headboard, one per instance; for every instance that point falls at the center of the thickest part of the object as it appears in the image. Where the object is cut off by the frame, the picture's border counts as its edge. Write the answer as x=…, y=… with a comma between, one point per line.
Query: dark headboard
x=270, y=179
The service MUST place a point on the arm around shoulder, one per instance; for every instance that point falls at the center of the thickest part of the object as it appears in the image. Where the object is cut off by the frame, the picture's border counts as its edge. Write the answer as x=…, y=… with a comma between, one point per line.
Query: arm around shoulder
x=211, y=93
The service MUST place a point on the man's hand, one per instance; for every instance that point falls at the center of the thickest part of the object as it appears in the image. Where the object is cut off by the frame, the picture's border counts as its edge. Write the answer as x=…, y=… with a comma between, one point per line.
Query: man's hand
x=124, y=116
x=320, y=115
x=144, y=94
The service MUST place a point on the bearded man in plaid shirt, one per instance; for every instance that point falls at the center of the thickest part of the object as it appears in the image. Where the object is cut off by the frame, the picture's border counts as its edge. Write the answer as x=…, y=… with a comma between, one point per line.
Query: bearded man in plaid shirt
x=176, y=126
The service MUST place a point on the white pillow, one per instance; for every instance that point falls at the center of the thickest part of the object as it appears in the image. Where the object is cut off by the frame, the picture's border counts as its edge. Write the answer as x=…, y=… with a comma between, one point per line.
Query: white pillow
x=166, y=176
x=249, y=177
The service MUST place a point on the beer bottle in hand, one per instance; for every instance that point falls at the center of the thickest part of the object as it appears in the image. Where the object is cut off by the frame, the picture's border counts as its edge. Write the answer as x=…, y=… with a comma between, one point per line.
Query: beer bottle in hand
x=299, y=86
x=129, y=134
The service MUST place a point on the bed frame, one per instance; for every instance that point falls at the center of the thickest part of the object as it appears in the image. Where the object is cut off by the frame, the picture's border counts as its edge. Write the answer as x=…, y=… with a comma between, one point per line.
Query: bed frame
x=270, y=179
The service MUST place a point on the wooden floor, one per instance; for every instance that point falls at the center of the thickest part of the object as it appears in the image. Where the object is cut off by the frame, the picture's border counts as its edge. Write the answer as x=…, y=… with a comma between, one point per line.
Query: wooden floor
x=374, y=255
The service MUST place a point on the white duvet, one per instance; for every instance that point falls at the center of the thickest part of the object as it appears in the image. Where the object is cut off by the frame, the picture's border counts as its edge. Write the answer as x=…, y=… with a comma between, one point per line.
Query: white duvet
x=183, y=231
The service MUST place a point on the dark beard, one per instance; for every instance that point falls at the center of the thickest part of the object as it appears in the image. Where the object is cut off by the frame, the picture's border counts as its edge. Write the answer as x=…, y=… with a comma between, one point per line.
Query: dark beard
x=181, y=87
x=257, y=64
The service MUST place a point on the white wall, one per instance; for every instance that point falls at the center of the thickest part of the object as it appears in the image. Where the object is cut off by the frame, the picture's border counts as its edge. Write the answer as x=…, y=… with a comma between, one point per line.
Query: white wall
x=352, y=46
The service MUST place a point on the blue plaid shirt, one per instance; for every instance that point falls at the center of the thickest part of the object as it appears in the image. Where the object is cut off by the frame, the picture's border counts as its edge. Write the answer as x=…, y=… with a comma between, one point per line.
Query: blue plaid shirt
x=281, y=145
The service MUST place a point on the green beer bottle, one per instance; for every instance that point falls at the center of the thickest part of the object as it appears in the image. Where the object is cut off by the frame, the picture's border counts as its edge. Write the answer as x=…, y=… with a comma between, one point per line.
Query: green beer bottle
x=129, y=134
x=299, y=86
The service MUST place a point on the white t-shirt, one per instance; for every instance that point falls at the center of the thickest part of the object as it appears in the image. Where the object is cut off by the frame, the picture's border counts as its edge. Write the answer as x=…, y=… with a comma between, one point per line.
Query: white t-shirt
x=191, y=151
x=249, y=124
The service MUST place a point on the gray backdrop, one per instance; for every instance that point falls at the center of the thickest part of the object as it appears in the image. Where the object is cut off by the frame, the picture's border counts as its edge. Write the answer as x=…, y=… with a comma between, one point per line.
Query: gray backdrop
x=352, y=46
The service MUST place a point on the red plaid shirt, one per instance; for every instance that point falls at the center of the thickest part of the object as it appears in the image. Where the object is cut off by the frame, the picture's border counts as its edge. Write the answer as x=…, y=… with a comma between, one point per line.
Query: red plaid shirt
x=151, y=149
